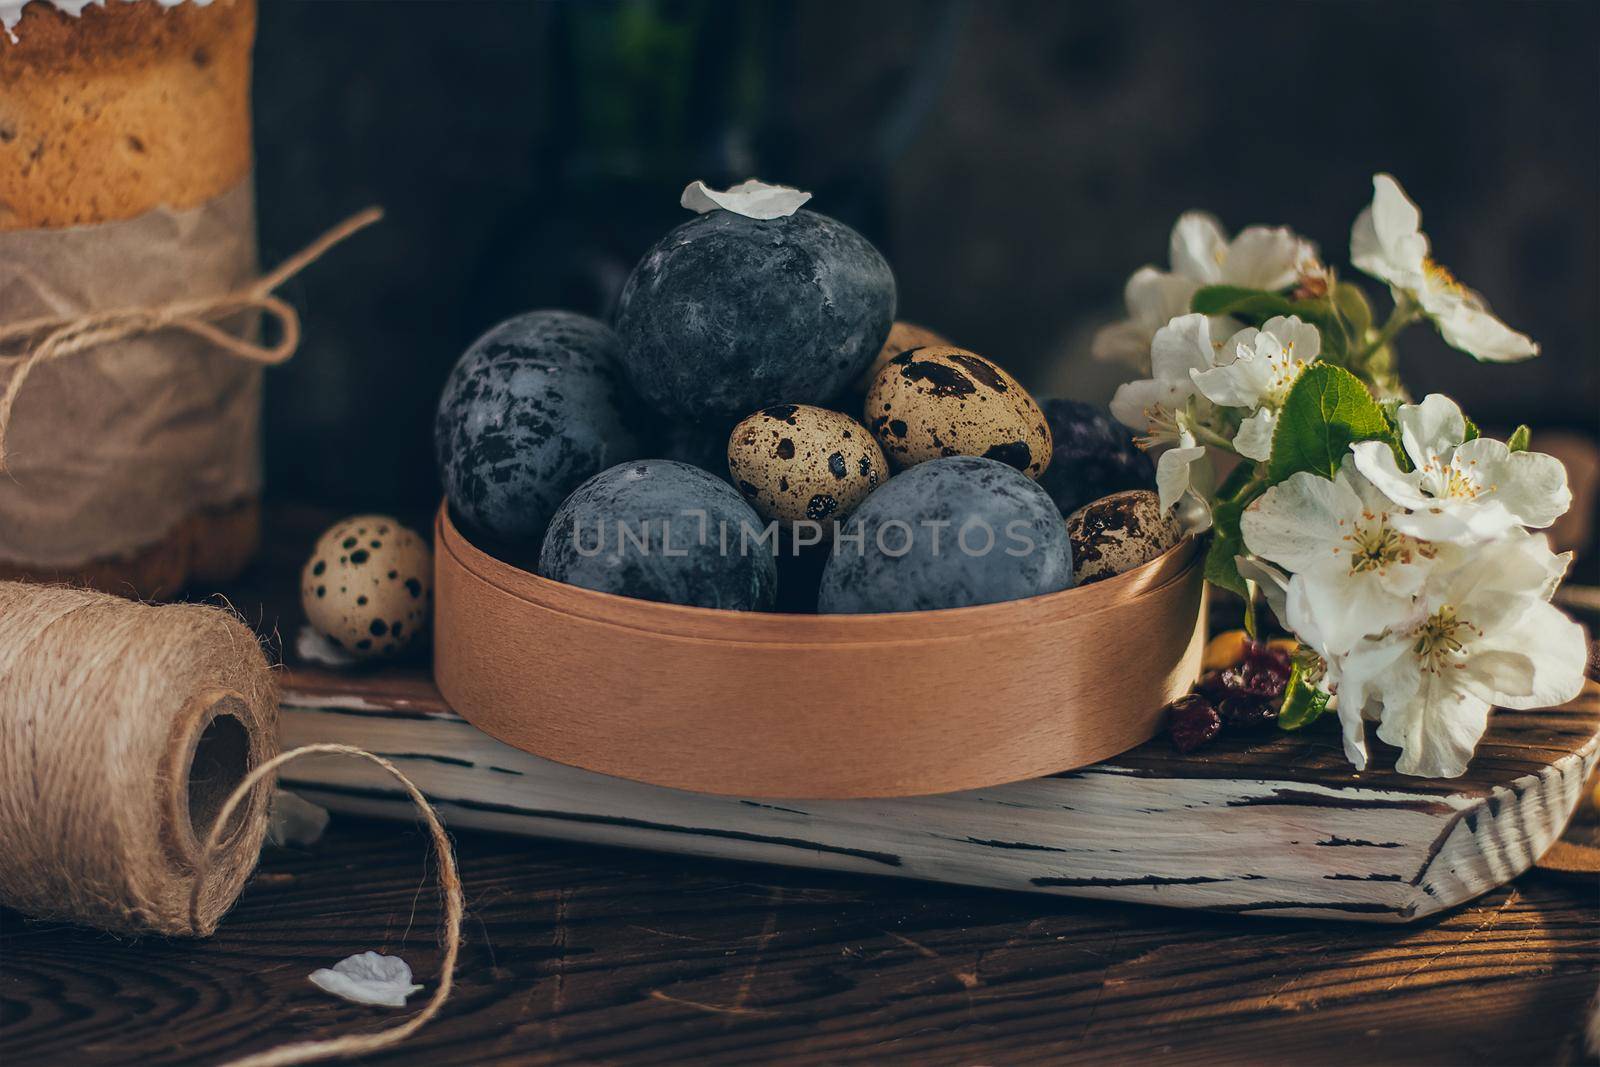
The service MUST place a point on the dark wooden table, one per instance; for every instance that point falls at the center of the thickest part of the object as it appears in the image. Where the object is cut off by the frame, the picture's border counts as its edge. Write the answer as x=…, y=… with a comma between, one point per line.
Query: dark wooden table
x=589, y=955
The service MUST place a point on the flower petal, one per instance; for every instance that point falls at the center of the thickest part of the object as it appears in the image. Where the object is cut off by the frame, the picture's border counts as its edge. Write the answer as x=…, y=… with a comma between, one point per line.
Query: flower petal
x=1386, y=241
x=1531, y=485
x=1353, y=732
x=1181, y=346
x=1554, y=650
x=1437, y=730
x=1254, y=439
x=1241, y=383
x=1466, y=324
x=1272, y=582
x=1462, y=522
x=1134, y=400
x=1172, y=473
x=368, y=978
x=1375, y=460
x=1122, y=342
x=1197, y=247
x=1431, y=429
x=1350, y=607
x=1154, y=298
x=1264, y=257
x=1298, y=338
x=1374, y=669
x=1295, y=522
x=752, y=198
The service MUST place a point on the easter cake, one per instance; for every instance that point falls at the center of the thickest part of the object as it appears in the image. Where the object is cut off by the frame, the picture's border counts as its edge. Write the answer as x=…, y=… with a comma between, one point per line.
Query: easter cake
x=112, y=112
x=759, y=536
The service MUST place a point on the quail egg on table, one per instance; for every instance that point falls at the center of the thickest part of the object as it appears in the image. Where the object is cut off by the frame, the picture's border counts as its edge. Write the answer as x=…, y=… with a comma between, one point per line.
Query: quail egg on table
x=903, y=336
x=945, y=401
x=1118, y=533
x=795, y=461
x=368, y=586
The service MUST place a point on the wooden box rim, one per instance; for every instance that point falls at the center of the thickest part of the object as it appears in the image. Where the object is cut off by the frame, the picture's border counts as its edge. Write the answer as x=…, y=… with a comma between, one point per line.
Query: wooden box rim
x=778, y=705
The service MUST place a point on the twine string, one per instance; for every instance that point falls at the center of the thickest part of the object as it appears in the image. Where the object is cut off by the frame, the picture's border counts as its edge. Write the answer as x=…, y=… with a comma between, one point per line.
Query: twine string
x=449, y=888
x=53, y=337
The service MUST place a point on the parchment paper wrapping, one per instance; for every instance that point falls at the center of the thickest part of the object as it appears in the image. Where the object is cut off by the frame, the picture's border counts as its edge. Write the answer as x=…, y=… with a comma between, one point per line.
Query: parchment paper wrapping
x=112, y=448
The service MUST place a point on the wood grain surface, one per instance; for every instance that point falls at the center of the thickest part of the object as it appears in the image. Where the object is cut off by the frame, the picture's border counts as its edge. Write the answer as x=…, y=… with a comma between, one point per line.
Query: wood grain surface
x=579, y=954
x=586, y=955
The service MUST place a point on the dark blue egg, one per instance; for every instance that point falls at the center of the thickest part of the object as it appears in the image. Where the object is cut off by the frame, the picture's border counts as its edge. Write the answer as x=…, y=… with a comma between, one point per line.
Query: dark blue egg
x=703, y=445
x=1094, y=455
x=534, y=407
x=657, y=529
x=948, y=533
x=728, y=314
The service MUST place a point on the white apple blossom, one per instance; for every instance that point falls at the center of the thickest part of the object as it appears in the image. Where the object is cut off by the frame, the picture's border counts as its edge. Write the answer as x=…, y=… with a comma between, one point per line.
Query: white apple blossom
x=1166, y=407
x=1200, y=254
x=1254, y=371
x=1285, y=595
x=1482, y=635
x=1387, y=243
x=1356, y=573
x=1458, y=490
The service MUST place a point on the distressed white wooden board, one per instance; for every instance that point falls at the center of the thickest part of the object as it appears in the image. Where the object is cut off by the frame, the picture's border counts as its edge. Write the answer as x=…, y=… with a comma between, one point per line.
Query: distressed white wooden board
x=1151, y=827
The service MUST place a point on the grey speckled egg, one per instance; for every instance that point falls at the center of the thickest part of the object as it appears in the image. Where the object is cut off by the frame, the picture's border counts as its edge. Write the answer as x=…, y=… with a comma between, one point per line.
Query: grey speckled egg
x=943, y=401
x=656, y=529
x=368, y=586
x=1118, y=533
x=947, y=534
x=795, y=461
x=532, y=409
x=727, y=314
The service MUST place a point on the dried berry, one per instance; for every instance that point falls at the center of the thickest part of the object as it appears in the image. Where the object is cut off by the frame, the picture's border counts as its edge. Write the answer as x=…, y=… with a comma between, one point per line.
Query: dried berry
x=1191, y=722
x=1264, y=674
x=1247, y=713
x=1211, y=686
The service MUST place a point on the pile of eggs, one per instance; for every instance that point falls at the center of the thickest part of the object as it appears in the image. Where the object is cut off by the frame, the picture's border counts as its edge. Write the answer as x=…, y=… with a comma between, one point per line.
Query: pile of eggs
x=755, y=431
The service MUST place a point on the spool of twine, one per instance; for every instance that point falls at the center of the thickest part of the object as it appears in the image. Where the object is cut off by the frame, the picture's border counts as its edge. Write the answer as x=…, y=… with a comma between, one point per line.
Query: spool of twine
x=138, y=747
x=124, y=728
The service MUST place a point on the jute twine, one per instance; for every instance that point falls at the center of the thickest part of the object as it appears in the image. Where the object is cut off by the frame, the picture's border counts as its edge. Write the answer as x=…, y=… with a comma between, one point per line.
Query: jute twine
x=449, y=888
x=41, y=340
x=105, y=707
x=137, y=756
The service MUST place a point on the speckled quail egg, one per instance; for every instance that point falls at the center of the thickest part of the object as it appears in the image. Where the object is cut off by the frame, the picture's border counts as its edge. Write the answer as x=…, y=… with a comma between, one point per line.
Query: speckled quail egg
x=1118, y=533
x=795, y=461
x=368, y=586
x=944, y=401
x=903, y=336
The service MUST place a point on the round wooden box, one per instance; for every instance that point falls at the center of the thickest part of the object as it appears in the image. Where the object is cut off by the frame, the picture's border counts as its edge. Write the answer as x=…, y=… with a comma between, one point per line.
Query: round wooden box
x=810, y=706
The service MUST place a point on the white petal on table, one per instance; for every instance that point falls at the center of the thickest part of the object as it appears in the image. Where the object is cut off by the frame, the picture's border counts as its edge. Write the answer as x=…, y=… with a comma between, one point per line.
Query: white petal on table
x=368, y=978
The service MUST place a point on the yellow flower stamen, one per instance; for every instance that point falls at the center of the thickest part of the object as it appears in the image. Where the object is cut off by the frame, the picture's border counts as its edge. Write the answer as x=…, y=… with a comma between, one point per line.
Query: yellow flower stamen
x=1442, y=278
x=1440, y=640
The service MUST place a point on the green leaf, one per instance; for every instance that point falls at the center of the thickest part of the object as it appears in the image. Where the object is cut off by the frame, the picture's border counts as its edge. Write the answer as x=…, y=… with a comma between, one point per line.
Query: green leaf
x=1327, y=409
x=1391, y=415
x=1221, y=570
x=1303, y=702
x=1233, y=497
x=1521, y=437
x=1473, y=433
x=1256, y=304
x=1352, y=304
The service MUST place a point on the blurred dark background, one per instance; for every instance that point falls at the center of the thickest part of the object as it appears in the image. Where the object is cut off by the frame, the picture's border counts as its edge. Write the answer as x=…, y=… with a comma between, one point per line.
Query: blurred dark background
x=1014, y=160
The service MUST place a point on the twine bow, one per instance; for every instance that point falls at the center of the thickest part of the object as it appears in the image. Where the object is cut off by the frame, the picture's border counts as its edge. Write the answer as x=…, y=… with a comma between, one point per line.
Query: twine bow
x=56, y=336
